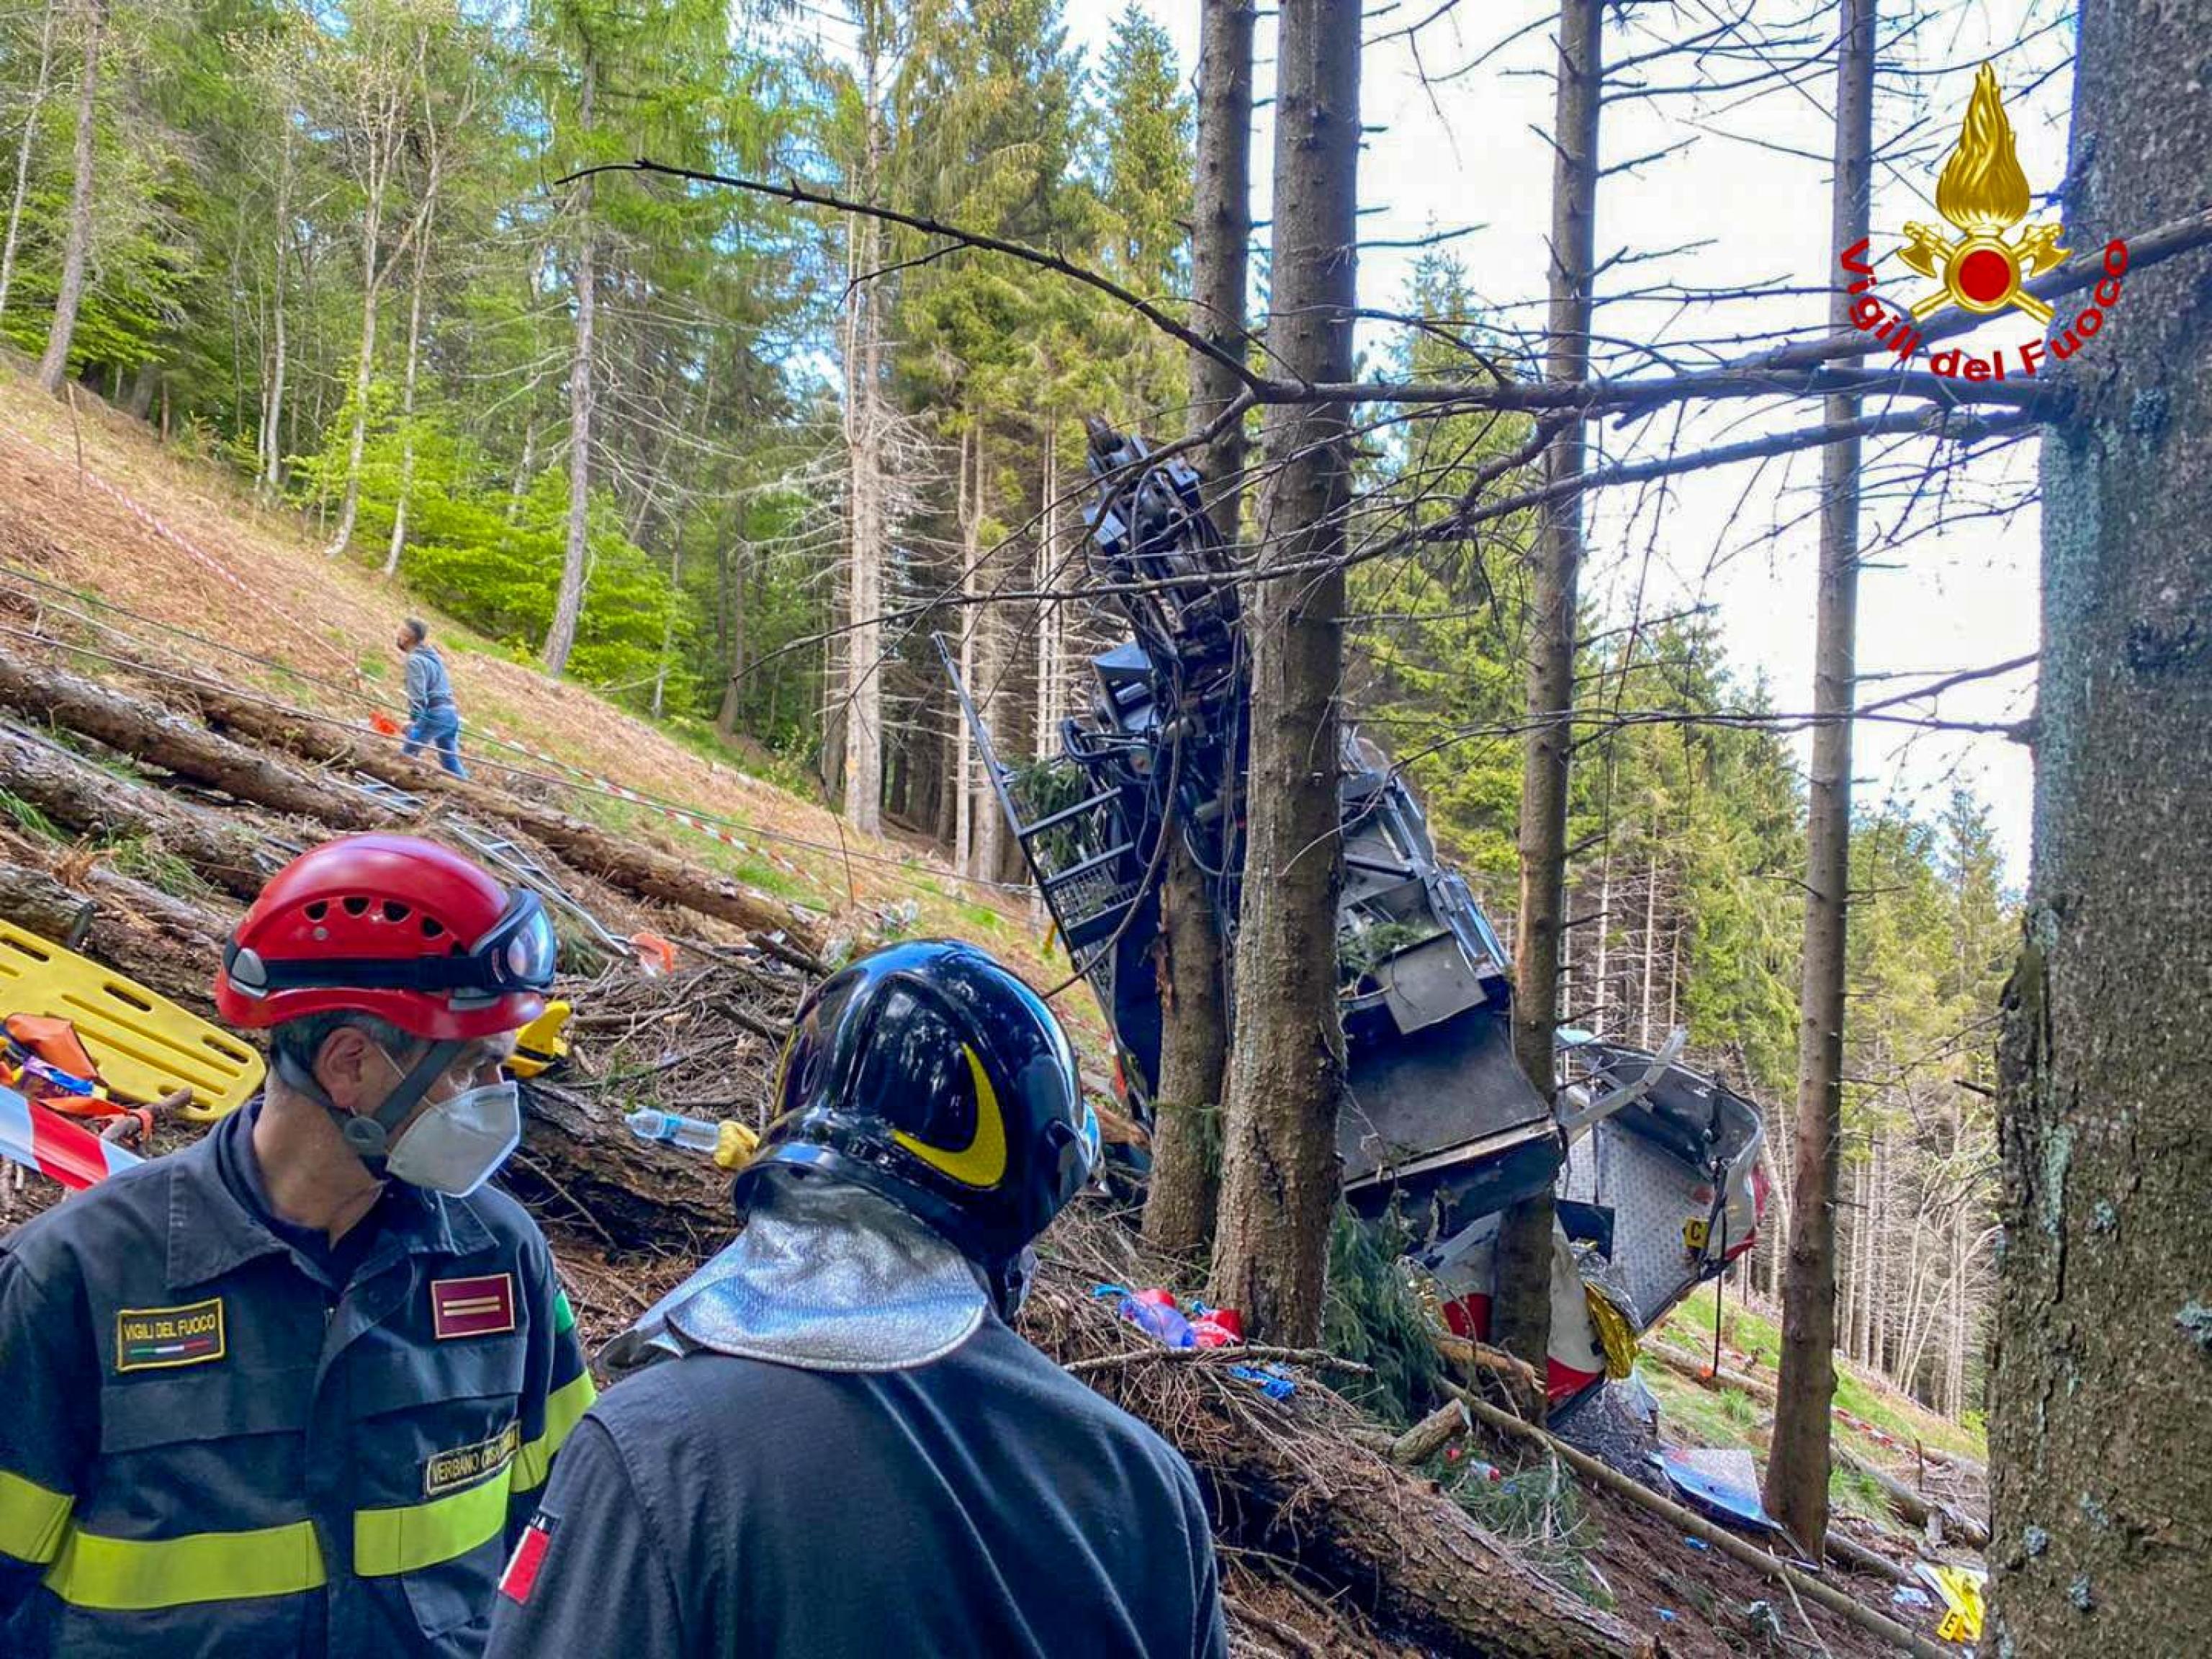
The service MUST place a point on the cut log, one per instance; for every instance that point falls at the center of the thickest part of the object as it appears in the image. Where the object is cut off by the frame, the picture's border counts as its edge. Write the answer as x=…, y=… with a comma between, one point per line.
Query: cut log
x=624, y=864
x=579, y=1167
x=1850, y=1553
x=168, y=944
x=80, y=797
x=1412, y=1558
x=163, y=737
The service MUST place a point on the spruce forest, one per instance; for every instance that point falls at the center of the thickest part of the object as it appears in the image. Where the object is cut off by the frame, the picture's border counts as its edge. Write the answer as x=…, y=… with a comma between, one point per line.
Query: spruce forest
x=755, y=440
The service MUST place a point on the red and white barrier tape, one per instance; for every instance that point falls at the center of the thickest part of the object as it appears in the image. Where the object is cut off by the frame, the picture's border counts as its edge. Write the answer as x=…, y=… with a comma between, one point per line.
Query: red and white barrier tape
x=43, y=1139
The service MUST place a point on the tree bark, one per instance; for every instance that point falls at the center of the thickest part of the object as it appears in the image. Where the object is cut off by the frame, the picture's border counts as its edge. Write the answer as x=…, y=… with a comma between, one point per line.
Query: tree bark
x=731, y=570
x=868, y=526
x=1181, y=1204
x=1522, y=1312
x=272, y=418
x=364, y=366
x=568, y=603
x=53, y=366
x=165, y=738
x=970, y=511
x=399, y=545
x=1286, y=1074
x=1221, y=239
x=87, y=800
x=168, y=944
x=1797, y=1469
x=39, y=87
x=2100, y=1433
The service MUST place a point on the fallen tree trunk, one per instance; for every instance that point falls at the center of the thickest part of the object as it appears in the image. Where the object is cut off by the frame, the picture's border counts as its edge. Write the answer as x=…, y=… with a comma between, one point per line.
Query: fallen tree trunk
x=579, y=1167
x=1700, y=1371
x=1850, y=1553
x=1913, y=1506
x=80, y=797
x=624, y=864
x=163, y=737
x=168, y=944
x=1413, y=1559
x=1719, y=1537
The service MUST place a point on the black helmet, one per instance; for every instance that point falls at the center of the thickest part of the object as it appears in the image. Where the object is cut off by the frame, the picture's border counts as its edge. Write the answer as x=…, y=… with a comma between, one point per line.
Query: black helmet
x=930, y=1075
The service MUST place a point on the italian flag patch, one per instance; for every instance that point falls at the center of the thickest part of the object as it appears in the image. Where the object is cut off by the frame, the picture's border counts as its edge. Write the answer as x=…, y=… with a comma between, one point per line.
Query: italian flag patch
x=521, y=1575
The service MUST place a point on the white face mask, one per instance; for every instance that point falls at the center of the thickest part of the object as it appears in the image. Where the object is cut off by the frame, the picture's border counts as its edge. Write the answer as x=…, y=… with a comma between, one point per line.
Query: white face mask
x=453, y=1146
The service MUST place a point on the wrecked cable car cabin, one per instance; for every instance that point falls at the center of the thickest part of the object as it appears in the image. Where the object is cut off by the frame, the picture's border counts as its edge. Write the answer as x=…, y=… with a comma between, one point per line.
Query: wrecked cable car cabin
x=1654, y=1166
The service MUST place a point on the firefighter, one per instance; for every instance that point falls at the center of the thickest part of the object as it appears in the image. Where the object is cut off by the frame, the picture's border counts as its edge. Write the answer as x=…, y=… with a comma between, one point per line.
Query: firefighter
x=846, y=1452
x=293, y=1391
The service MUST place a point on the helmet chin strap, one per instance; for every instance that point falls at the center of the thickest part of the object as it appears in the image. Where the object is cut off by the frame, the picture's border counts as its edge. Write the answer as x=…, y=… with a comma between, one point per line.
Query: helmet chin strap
x=369, y=1135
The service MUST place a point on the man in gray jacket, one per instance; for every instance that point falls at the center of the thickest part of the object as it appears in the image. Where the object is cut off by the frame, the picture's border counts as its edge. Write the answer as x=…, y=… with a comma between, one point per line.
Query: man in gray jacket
x=433, y=716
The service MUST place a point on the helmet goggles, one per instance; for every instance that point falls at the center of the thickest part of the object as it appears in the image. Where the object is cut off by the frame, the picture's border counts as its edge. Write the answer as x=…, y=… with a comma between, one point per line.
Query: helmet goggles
x=516, y=954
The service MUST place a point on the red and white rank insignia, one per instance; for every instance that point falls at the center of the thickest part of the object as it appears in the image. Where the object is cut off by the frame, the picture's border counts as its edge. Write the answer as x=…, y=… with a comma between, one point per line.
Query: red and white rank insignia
x=484, y=1306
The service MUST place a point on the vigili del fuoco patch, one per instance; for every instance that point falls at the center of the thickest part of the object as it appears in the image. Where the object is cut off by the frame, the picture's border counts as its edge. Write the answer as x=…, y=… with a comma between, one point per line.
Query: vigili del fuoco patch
x=157, y=1339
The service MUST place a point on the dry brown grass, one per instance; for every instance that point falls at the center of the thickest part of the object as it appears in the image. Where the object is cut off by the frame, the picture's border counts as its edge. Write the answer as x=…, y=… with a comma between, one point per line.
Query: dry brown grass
x=324, y=619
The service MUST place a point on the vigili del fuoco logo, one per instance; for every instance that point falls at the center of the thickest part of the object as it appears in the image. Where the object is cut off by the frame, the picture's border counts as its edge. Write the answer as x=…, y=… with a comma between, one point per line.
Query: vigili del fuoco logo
x=1983, y=266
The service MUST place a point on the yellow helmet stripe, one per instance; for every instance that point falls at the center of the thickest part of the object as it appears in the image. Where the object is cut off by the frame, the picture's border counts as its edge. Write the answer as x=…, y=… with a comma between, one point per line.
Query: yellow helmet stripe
x=982, y=1163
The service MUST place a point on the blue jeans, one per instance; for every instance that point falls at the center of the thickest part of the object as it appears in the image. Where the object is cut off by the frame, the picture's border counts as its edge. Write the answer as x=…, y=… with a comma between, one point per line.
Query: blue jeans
x=440, y=727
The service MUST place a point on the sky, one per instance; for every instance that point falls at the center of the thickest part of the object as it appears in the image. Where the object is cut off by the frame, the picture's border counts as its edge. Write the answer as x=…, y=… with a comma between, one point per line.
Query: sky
x=1738, y=195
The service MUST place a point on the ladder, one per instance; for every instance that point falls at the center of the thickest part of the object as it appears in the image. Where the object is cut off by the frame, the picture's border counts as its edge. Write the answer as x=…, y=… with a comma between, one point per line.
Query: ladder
x=1082, y=855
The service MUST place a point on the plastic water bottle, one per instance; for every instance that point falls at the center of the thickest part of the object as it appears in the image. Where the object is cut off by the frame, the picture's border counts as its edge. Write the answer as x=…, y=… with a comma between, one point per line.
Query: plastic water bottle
x=690, y=1133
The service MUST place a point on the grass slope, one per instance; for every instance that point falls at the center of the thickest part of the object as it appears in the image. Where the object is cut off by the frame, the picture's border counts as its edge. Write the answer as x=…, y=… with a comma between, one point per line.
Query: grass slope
x=91, y=501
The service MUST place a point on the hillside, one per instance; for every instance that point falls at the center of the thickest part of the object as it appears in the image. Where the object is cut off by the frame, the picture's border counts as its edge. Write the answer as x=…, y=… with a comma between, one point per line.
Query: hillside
x=171, y=560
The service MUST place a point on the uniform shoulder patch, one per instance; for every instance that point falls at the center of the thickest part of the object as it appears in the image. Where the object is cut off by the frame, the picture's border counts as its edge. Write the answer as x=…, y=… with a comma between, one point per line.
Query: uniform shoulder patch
x=522, y=1567
x=160, y=1339
x=482, y=1306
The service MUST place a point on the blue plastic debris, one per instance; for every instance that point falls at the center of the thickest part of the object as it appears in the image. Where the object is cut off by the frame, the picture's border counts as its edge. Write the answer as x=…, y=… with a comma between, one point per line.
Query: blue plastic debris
x=1665, y=1615
x=1269, y=1380
x=1907, y=1595
x=1721, y=1481
x=1695, y=1543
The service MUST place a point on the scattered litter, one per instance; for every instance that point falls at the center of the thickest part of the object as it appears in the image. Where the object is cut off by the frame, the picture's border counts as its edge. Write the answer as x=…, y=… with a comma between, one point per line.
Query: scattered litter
x=1909, y=1595
x=1763, y=1618
x=1961, y=1589
x=1695, y=1543
x=1270, y=1380
x=1217, y=1328
x=1721, y=1481
x=1665, y=1615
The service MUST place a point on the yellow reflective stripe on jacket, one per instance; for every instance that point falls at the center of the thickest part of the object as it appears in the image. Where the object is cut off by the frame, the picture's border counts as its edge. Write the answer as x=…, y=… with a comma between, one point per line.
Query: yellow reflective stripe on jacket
x=121, y=1575
x=32, y=1519
x=417, y=1535
x=564, y=1408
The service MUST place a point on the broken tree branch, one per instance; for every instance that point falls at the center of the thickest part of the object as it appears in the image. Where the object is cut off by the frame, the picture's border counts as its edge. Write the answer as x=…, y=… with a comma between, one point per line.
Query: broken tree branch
x=1750, y=1554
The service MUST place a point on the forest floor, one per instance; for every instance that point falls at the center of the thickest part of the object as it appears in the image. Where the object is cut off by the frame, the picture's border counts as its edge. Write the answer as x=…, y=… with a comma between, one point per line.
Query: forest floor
x=115, y=552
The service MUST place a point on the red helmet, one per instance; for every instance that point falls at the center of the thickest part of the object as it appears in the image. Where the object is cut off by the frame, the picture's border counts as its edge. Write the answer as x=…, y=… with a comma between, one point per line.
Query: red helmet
x=392, y=926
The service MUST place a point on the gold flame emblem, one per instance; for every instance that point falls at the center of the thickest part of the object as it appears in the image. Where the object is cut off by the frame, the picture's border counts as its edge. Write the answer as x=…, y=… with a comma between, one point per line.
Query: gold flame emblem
x=1984, y=194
